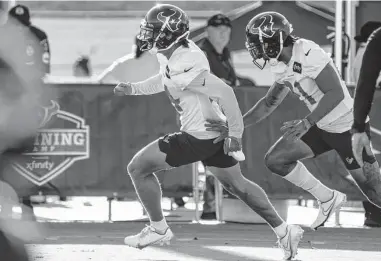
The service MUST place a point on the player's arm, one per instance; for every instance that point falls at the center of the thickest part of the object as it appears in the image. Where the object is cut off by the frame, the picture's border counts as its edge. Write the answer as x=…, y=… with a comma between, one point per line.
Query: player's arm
x=329, y=83
x=215, y=88
x=149, y=86
x=152, y=85
x=319, y=66
x=265, y=106
x=366, y=85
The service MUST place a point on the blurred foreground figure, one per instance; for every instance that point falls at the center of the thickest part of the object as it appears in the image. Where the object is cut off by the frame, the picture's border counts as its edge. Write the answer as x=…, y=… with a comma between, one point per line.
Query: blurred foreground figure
x=366, y=86
x=21, y=100
x=38, y=50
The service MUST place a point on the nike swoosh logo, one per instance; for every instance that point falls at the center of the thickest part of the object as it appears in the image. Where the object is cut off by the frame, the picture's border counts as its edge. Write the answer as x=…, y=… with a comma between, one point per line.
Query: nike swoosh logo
x=288, y=235
x=307, y=53
x=187, y=70
x=154, y=242
x=203, y=84
x=326, y=212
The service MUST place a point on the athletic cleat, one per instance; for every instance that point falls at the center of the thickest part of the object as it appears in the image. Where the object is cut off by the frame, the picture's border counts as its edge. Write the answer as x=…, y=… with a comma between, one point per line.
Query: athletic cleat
x=326, y=209
x=289, y=243
x=149, y=236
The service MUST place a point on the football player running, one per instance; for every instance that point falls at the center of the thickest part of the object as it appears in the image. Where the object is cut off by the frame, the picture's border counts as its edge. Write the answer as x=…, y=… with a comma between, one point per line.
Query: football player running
x=302, y=67
x=197, y=95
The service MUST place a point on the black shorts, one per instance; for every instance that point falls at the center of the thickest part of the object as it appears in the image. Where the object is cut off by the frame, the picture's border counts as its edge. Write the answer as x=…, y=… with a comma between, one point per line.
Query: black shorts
x=321, y=141
x=182, y=149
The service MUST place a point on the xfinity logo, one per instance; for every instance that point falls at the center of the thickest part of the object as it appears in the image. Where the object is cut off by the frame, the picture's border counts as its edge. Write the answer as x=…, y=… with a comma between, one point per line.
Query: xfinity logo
x=56, y=148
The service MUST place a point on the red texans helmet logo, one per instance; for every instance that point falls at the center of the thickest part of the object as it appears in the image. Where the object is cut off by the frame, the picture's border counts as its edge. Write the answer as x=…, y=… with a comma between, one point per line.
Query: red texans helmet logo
x=265, y=26
x=172, y=21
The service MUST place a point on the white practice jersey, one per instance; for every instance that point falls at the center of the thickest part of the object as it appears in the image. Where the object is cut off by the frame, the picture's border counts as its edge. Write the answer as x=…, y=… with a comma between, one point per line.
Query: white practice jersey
x=307, y=61
x=187, y=70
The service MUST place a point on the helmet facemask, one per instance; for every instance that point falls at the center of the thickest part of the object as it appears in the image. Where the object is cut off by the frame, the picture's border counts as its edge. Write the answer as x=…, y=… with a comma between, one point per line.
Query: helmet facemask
x=263, y=49
x=256, y=51
x=147, y=36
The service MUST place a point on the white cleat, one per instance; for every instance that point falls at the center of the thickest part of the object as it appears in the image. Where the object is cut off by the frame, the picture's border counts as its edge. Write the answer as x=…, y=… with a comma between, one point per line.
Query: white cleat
x=289, y=243
x=326, y=209
x=149, y=236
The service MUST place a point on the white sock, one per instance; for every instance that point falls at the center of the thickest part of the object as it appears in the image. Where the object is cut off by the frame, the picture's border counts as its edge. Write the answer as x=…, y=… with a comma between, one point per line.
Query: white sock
x=160, y=225
x=281, y=230
x=301, y=177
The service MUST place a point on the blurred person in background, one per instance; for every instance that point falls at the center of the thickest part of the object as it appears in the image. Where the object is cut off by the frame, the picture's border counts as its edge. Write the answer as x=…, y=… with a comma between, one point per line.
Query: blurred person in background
x=367, y=67
x=131, y=66
x=38, y=52
x=215, y=47
x=82, y=67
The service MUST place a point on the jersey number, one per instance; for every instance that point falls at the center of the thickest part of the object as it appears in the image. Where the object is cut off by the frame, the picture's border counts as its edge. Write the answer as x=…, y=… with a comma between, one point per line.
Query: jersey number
x=305, y=95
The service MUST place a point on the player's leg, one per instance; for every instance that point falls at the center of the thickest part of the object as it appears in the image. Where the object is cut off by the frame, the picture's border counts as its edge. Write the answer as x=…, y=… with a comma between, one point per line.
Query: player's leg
x=283, y=159
x=209, y=207
x=141, y=169
x=255, y=197
x=368, y=178
x=172, y=150
x=372, y=214
x=251, y=193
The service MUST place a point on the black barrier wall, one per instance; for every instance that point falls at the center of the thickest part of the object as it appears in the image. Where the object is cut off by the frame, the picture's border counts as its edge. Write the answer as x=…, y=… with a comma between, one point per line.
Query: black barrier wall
x=95, y=134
